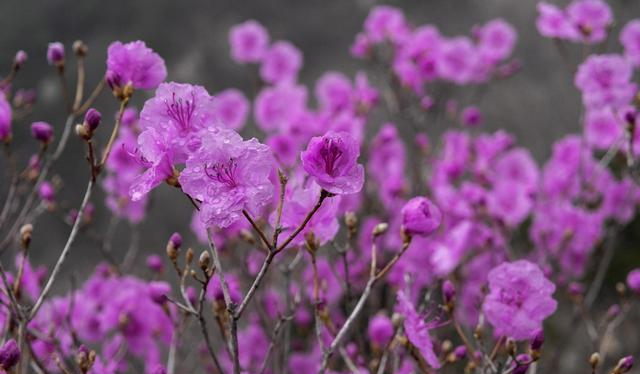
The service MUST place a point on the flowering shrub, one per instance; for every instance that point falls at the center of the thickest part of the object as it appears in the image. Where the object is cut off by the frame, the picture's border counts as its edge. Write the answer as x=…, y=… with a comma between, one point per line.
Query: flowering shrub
x=331, y=244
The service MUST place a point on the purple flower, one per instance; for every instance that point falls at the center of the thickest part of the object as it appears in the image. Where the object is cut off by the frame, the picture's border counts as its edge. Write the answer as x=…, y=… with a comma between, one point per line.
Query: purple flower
x=92, y=118
x=630, y=40
x=249, y=41
x=55, y=53
x=471, y=116
x=276, y=107
x=385, y=22
x=232, y=108
x=496, y=40
x=281, y=63
x=591, y=18
x=300, y=197
x=20, y=58
x=228, y=175
x=380, y=330
x=135, y=64
x=46, y=192
x=510, y=202
x=417, y=330
x=519, y=299
x=42, y=131
x=552, y=22
x=5, y=119
x=602, y=128
x=605, y=80
x=420, y=217
x=633, y=280
x=9, y=354
x=334, y=92
x=154, y=263
x=332, y=161
x=457, y=60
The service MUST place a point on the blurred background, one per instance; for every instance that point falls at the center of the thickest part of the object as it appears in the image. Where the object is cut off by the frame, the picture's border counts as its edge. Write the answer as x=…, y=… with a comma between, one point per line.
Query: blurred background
x=538, y=105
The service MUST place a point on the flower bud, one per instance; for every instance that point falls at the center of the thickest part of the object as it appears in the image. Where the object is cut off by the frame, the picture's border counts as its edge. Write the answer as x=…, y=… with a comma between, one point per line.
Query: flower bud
x=158, y=292
x=79, y=48
x=204, y=261
x=351, y=220
x=114, y=81
x=380, y=330
x=538, y=340
x=613, y=311
x=46, y=192
x=380, y=229
x=446, y=346
x=594, y=360
x=460, y=352
x=173, y=246
x=9, y=354
x=154, y=263
x=188, y=257
x=42, y=131
x=633, y=280
x=85, y=358
x=624, y=365
x=55, y=54
x=92, y=119
x=420, y=217
x=448, y=293
x=25, y=234
x=19, y=59
x=522, y=362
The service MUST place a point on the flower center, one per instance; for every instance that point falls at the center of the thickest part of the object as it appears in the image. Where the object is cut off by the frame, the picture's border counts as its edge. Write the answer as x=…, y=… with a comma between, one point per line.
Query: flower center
x=181, y=110
x=512, y=297
x=223, y=172
x=331, y=153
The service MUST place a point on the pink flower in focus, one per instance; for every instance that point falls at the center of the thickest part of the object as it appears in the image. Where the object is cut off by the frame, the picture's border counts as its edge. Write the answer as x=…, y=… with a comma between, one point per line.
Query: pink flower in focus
x=281, y=63
x=133, y=63
x=249, y=41
x=232, y=108
x=332, y=161
x=420, y=216
x=228, y=175
x=519, y=299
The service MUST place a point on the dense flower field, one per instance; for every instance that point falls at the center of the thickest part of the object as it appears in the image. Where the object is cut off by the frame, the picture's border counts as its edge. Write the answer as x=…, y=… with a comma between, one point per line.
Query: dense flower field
x=331, y=244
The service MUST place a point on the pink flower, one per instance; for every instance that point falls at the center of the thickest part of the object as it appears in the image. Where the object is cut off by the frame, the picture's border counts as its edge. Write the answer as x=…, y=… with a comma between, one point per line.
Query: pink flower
x=281, y=63
x=5, y=118
x=228, y=175
x=630, y=40
x=380, y=330
x=332, y=161
x=457, y=60
x=249, y=41
x=55, y=53
x=510, y=202
x=471, y=116
x=300, y=197
x=552, y=22
x=232, y=108
x=276, y=107
x=135, y=64
x=420, y=216
x=519, y=299
x=385, y=22
x=417, y=330
x=334, y=92
x=591, y=18
x=496, y=40
x=602, y=128
x=605, y=80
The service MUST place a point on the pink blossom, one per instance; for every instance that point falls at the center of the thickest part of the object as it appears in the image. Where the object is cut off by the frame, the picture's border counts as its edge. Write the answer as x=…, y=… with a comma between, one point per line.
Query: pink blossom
x=228, y=175
x=334, y=92
x=591, y=18
x=276, y=107
x=420, y=216
x=496, y=40
x=417, y=330
x=249, y=41
x=602, y=128
x=385, y=22
x=519, y=299
x=633, y=280
x=5, y=118
x=332, y=161
x=135, y=64
x=630, y=40
x=457, y=60
x=281, y=63
x=232, y=108
x=605, y=80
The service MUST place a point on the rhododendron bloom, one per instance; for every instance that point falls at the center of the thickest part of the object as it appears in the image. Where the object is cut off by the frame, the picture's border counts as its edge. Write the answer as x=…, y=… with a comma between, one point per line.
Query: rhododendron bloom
x=228, y=175
x=420, y=216
x=332, y=161
x=385, y=22
x=281, y=63
x=417, y=330
x=591, y=19
x=630, y=40
x=605, y=80
x=232, y=108
x=135, y=64
x=496, y=40
x=519, y=299
x=552, y=22
x=249, y=41
x=602, y=128
x=276, y=107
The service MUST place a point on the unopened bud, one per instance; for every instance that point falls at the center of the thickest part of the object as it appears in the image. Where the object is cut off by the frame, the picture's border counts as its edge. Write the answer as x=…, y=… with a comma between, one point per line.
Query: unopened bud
x=448, y=294
x=9, y=355
x=522, y=362
x=55, y=55
x=42, y=131
x=204, y=261
x=173, y=246
x=624, y=365
x=92, y=119
x=25, y=234
x=613, y=311
x=594, y=360
x=380, y=229
x=446, y=346
x=19, y=59
x=79, y=48
x=538, y=340
x=460, y=352
x=511, y=346
x=621, y=289
x=189, y=255
x=351, y=220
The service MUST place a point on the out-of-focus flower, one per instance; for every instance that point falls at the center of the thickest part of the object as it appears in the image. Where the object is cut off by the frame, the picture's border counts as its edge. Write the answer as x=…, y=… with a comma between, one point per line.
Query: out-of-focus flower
x=232, y=108
x=605, y=80
x=630, y=40
x=42, y=131
x=5, y=119
x=281, y=63
x=55, y=54
x=249, y=41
